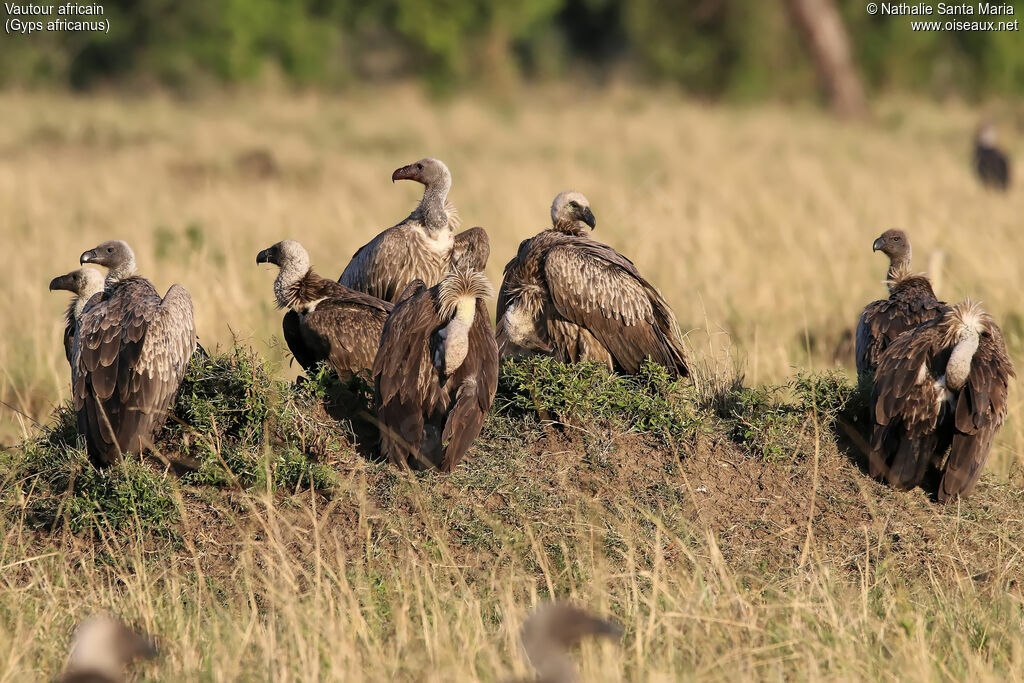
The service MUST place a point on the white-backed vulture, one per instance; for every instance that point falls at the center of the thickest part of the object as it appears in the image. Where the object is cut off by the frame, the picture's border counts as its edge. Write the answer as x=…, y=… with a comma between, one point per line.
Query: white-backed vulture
x=577, y=299
x=436, y=372
x=943, y=384
x=101, y=648
x=990, y=163
x=128, y=357
x=420, y=247
x=551, y=630
x=326, y=321
x=84, y=283
x=911, y=302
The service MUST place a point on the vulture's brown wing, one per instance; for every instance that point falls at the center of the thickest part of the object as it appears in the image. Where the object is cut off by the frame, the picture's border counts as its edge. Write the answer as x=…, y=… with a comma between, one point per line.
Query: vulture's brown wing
x=346, y=333
x=405, y=381
x=471, y=249
x=477, y=382
x=903, y=400
x=868, y=340
x=600, y=290
x=291, y=326
x=169, y=340
x=980, y=411
x=375, y=267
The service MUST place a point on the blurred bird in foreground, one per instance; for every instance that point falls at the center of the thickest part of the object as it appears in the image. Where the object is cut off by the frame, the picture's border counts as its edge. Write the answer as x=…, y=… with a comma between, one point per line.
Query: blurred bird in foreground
x=101, y=648
x=990, y=162
x=551, y=630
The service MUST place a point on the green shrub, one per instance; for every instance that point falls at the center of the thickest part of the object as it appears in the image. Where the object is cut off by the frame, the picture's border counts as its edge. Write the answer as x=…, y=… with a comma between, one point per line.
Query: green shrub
x=648, y=402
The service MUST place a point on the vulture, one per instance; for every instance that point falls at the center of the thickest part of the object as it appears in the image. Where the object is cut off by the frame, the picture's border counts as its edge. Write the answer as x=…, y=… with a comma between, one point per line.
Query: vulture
x=83, y=283
x=128, y=357
x=944, y=384
x=551, y=630
x=990, y=162
x=101, y=648
x=569, y=296
x=436, y=371
x=911, y=302
x=326, y=321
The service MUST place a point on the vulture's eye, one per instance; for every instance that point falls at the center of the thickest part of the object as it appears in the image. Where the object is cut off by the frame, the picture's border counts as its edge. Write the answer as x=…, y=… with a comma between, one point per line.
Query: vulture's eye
x=110, y=250
x=574, y=205
x=895, y=239
x=419, y=167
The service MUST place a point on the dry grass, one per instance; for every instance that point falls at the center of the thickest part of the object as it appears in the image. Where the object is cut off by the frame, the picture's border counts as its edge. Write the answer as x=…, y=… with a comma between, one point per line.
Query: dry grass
x=756, y=224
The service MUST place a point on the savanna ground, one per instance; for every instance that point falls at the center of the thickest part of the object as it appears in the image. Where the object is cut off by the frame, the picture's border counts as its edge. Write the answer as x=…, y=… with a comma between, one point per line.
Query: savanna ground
x=731, y=531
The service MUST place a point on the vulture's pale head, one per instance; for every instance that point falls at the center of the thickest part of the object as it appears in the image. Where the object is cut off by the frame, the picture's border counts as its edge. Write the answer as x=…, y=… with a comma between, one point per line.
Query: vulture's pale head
x=429, y=172
x=986, y=135
x=102, y=646
x=894, y=244
x=84, y=282
x=286, y=254
x=115, y=255
x=571, y=211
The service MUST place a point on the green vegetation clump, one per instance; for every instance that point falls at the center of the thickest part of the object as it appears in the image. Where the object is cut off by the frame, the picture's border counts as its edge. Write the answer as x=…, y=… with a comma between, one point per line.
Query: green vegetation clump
x=52, y=483
x=648, y=402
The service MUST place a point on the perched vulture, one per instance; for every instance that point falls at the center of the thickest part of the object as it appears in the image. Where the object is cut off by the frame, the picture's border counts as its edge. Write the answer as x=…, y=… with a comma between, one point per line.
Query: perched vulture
x=990, y=162
x=130, y=352
x=551, y=630
x=437, y=368
x=419, y=248
x=326, y=321
x=101, y=648
x=572, y=297
x=83, y=283
x=911, y=302
x=943, y=384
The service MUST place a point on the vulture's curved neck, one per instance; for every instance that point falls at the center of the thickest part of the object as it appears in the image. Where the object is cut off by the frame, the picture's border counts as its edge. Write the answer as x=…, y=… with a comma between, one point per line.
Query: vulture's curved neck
x=898, y=264
x=432, y=209
x=958, y=369
x=286, y=283
x=121, y=271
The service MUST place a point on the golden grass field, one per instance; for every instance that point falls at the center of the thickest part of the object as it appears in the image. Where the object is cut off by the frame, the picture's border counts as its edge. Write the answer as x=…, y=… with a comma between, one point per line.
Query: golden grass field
x=756, y=223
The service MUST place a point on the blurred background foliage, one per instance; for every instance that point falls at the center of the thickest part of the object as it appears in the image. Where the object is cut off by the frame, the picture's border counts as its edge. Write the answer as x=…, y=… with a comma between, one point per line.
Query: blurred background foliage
x=735, y=49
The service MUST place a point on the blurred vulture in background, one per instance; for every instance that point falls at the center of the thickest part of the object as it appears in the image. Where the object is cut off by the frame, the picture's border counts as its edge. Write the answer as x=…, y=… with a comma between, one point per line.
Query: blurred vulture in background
x=326, y=321
x=101, y=648
x=129, y=355
x=436, y=372
x=943, y=384
x=990, y=162
x=911, y=302
x=551, y=630
x=576, y=299
x=83, y=283
x=420, y=247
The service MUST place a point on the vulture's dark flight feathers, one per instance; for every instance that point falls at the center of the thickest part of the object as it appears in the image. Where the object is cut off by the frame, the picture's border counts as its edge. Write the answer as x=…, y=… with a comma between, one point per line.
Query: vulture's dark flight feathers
x=911, y=302
x=943, y=384
x=569, y=296
x=129, y=354
x=326, y=321
x=436, y=372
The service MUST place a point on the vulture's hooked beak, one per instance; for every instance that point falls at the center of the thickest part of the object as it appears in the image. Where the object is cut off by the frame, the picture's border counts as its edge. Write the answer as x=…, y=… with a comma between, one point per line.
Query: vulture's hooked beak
x=877, y=246
x=588, y=217
x=265, y=256
x=404, y=173
x=66, y=282
x=88, y=256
